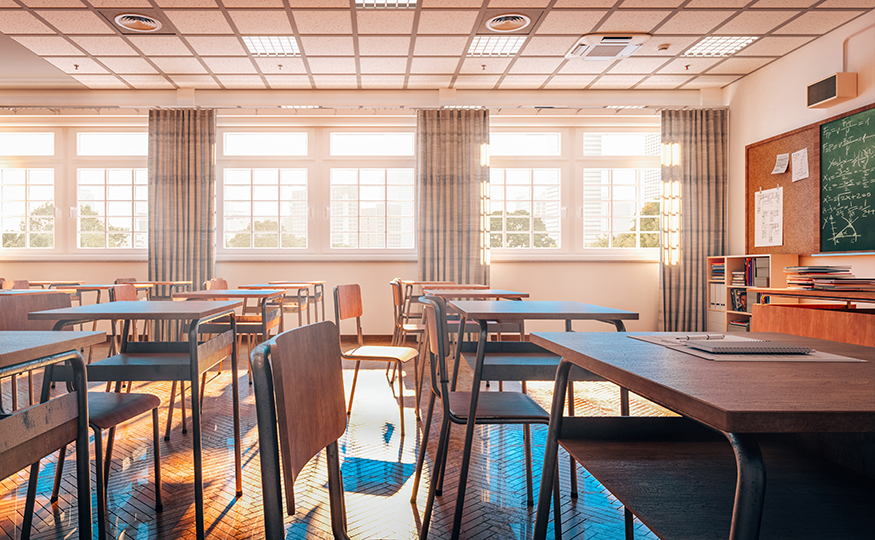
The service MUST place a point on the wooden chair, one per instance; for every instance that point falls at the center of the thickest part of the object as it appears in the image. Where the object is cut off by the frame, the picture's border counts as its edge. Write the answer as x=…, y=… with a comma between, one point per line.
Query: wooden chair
x=299, y=389
x=492, y=407
x=122, y=293
x=15, y=284
x=348, y=305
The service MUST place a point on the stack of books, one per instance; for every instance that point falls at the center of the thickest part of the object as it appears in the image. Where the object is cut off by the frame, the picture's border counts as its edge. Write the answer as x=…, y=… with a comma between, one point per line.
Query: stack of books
x=718, y=271
x=809, y=277
x=738, y=278
x=739, y=326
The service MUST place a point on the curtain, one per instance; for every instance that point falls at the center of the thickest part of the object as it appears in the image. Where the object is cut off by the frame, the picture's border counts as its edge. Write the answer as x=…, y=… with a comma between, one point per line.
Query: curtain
x=694, y=159
x=181, y=195
x=453, y=187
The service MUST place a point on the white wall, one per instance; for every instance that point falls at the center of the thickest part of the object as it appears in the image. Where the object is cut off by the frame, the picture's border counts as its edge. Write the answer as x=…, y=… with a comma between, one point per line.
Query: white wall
x=772, y=101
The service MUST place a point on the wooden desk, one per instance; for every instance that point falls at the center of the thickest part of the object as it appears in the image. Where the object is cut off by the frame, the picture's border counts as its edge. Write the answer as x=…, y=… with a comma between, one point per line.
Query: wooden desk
x=54, y=283
x=167, y=361
x=317, y=298
x=171, y=284
x=740, y=399
x=39, y=430
x=476, y=294
x=302, y=293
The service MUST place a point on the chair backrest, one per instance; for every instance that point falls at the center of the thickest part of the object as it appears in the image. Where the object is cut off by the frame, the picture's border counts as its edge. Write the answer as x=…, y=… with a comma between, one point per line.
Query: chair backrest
x=16, y=284
x=125, y=280
x=434, y=311
x=14, y=310
x=124, y=292
x=216, y=284
x=348, y=304
x=397, y=301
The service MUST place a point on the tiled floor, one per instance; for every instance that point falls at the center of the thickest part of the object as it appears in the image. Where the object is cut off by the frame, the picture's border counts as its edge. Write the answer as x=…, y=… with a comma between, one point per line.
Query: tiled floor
x=377, y=466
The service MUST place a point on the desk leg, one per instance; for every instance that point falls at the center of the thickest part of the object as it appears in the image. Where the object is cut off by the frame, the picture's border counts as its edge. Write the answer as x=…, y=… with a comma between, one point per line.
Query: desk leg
x=460, y=338
x=750, y=489
x=196, y=431
x=235, y=400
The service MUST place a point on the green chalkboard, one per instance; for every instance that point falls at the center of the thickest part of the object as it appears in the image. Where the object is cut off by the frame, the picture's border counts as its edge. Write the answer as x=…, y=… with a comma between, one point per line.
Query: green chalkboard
x=847, y=183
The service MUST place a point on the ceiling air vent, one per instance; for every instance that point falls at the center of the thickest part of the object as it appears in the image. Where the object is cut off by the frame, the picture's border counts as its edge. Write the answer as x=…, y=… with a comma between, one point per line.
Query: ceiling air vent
x=137, y=23
x=508, y=23
x=607, y=46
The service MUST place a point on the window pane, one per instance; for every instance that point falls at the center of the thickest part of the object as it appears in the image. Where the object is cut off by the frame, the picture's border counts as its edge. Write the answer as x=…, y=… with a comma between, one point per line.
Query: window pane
x=621, y=144
x=529, y=202
x=27, y=210
x=27, y=144
x=360, y=201
x=110, y=208
x=372, y=144
x=525, y=144
x=613, y=201
x=112, y=144
x=265, y=144
x=255, y=200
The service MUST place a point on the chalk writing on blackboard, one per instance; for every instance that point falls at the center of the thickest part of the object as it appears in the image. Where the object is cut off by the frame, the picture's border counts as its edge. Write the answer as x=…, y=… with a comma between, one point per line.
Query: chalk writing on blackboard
x=847, y=183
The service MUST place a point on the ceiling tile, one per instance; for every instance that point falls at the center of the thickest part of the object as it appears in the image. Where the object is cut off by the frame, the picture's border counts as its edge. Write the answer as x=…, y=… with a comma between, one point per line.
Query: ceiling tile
x=485, y=65
x=633, y=21
x=48, y=45
x=717, y=3
x=752, y=23
x=817, y=22
x=230, y=64
x=663, y=82
x=332, y=64
x=335, y=81
x=548, y=46
x=281, y=65
x=696, y=65
x=429, y=81
x=100, y=82
x=216, y=46
x=638, y=65
x=476, y=81
x=783, y=3
x=676, y=44
x=73, y=64
x=694, y=22
x=288, y=81
x=536, y=65
x=573, y=4
x=518, y=3
x=383, y=64
x=9, y=4
x=160, y=45
x=531, y=82
x=384, y=45
x=846, y=4
x=254, y=3
x=344, y=4
x=575, y=23
x=127, y=65
x=148, y=82
x=187, y=3
x=195, y=81
x=259, y=23
x=774, y=46
x=741, y=66
x=569, y=81
x=440, y=46
x=105, y=46
x=76, y=22
x=328, y=46
x=204, y=21
x=246, y=82
x=710, y=81
x=451, y=3
x=120, y=3
x=175, y=64
x=382, y=81
x=434, y=65
x=323, y=22
x=446, y=22
x=616, y=81
x=651, y=3
x=53, y=3
x=384, y=21
x=576, y=65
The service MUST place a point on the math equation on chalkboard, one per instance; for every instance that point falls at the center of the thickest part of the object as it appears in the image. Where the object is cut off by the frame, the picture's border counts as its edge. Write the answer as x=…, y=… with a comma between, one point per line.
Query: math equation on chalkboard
x=847, y=183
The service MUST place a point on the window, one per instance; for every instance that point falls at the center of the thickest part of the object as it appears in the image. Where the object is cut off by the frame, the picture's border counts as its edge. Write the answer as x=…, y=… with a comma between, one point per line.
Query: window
x=621, y=144
x=621, y=208
x=372, y=208
x=265, y=144
x=525, y=144
x=524, y=209
x=265, y=208
x=113, y=208
x=27, y=144
x=27, y=200
x=112, y=144
x=372, y=144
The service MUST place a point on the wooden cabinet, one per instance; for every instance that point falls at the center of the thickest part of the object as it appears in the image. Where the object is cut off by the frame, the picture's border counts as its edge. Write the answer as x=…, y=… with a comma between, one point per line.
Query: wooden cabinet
x=730, y=303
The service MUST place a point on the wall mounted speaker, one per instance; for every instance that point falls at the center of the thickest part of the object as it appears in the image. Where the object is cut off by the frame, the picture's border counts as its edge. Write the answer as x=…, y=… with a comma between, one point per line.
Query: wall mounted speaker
x=832, y=90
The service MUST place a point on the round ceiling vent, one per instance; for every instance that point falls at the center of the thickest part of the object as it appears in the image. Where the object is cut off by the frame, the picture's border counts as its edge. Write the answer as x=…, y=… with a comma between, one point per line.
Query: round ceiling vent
x=508, y=23
x=137, y=23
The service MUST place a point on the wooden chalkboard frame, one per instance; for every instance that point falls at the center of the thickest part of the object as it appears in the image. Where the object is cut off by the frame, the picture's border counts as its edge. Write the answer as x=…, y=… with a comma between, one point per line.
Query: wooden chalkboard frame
x=801, y=199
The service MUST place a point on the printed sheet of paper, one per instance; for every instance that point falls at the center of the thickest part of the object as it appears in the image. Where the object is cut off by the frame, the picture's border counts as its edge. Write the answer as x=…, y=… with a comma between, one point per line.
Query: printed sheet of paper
x=800, y=165
x=769, y=217
x=781, y=163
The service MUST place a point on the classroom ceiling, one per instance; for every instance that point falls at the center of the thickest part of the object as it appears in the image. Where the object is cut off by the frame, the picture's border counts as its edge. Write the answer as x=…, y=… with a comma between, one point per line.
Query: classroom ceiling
x=408, y=44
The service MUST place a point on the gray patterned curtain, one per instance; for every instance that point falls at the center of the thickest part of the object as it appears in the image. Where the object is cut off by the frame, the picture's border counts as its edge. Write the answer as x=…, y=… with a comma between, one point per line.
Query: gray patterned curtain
x=452, y=187
x=181, y=195
x=701, y=139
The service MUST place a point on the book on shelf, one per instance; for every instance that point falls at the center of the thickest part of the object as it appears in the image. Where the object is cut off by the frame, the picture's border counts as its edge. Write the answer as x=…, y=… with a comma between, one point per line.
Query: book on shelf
x=738, y=299
x=827, y=278
x=741, y=325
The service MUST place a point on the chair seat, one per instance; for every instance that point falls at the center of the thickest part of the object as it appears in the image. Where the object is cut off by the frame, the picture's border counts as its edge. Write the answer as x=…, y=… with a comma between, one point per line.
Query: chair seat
x=414, y=328
x=511, y=407
x=109, y=409
x=374, y=352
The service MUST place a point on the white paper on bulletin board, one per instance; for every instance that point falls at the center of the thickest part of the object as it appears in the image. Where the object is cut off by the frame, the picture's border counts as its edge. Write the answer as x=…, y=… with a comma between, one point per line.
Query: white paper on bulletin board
x=769, y=217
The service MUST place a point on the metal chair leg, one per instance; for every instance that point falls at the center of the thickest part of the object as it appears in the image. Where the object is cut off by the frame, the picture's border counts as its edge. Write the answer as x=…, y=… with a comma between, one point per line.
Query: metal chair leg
x=59, y=471
x=439, y=464
x=170, y=408
x=156, y=451
x=401, y=395
x=101, y=486
x=352, y=391
x=420, y=460
x=30, y=501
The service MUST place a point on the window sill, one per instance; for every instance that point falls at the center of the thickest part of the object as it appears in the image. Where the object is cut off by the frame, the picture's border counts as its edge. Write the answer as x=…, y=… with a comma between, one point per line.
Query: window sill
x=572, y=257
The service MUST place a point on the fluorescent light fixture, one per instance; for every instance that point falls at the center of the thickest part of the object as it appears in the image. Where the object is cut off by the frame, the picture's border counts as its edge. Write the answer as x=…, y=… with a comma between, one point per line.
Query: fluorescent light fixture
x=496, y=45
x=385, y=4
x=272, y=45
x=720, y=46
x=625, y=106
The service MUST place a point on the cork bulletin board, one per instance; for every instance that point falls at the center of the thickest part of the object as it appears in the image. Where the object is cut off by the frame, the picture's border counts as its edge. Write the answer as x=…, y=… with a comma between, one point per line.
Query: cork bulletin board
x=801, y=203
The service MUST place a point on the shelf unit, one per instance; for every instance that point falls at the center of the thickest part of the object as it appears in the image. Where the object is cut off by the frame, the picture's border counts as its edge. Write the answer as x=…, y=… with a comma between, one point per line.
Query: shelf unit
x=720, y=290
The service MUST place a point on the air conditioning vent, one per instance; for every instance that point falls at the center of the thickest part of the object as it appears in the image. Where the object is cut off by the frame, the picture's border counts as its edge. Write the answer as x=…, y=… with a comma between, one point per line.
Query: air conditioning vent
x=607, y=46
x=137, y=23
x=508, y=23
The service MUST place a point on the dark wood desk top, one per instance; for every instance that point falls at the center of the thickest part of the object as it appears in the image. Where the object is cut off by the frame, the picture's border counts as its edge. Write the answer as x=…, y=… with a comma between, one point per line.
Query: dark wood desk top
x=537, y=309
x=739, y=397
x=481, y=294
x=231, y=293
x=139, y=310
x=18, y=347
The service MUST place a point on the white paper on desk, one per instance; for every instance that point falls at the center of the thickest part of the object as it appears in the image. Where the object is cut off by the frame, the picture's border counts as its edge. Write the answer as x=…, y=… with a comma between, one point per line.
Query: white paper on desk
x=769, y=217
x=781, y=163
x=800, y=165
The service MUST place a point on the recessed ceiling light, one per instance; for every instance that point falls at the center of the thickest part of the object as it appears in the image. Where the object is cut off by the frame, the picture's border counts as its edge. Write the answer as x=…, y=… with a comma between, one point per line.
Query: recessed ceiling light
x=385, y=4
x=271, y=45
x=720, y=45
x=508, y=23
x=496, y=45
x=137, y=23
